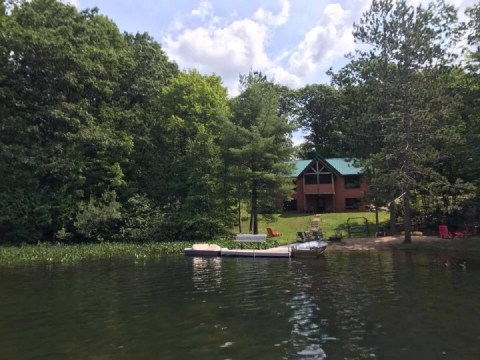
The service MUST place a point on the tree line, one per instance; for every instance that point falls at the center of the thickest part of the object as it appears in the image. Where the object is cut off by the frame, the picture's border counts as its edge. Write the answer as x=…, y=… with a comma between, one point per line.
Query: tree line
x=407, y=106
x=103, y=138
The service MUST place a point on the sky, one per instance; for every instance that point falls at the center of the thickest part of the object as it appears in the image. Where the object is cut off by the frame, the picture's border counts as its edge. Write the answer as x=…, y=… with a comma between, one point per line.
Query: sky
x=293, y=42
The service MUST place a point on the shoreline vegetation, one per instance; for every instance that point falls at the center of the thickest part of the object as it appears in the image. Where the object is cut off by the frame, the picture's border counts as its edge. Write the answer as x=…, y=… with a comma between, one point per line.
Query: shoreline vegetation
x=47, y=253
x=288, y=224
x=43, y=254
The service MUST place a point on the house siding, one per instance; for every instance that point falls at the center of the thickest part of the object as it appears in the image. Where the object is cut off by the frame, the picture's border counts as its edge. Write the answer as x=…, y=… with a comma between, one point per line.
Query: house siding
x=327, y=197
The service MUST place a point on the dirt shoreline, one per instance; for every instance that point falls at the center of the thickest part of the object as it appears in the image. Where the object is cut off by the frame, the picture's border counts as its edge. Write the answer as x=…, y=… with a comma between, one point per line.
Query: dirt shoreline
x=396, y=242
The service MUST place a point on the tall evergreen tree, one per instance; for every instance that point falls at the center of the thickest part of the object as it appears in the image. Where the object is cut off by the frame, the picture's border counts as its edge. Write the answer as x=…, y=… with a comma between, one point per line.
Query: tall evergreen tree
x=403, y=74
x=259, y=144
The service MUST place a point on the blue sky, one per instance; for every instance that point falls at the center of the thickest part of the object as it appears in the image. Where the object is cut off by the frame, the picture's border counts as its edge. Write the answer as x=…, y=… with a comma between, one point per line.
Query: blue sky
x=293, y=42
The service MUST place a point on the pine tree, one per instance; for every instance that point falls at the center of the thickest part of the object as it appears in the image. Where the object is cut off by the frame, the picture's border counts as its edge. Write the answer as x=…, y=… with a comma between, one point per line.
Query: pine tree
x=259, y=145
x=400, y=78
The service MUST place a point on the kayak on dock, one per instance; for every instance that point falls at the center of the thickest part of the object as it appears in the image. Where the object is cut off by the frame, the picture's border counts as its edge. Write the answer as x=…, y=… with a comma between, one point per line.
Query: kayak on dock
x=203, y=250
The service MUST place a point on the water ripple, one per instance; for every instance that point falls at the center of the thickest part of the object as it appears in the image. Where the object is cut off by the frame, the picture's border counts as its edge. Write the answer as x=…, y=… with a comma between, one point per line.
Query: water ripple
x=345, y=306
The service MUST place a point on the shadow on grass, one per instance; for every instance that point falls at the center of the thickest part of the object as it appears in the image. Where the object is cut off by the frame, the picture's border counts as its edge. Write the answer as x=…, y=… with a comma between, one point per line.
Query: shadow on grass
x=287, y=215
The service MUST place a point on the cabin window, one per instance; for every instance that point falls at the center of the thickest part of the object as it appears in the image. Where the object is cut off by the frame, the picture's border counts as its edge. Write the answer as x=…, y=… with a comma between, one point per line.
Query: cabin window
x=352, y=182
x=311, y=179
x=352, y=203
x=325, y=178
x=318, y=179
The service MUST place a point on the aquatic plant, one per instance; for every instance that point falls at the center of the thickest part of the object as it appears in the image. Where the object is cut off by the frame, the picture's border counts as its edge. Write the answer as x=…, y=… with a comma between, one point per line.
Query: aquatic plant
x=60, y=253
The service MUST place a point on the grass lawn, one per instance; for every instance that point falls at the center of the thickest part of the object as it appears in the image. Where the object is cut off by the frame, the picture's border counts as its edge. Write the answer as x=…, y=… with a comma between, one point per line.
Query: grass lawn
x=331, y=222
x=289, y=223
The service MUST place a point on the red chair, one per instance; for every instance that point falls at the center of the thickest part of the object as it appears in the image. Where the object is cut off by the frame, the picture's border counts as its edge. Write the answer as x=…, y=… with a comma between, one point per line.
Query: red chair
x=271, y=233
x=443, y=232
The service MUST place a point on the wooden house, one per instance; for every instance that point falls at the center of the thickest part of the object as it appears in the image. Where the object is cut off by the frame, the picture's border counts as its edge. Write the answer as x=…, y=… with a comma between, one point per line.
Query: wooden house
x=328, y=185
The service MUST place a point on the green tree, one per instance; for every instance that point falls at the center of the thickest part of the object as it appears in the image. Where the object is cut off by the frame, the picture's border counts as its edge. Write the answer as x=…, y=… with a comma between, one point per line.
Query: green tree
x=474, y=33
x=319, y=110
x=259, y=144
x=146, y=71
x=195, y=113
x=61, y=104
x=406, y=108
x=3, y=16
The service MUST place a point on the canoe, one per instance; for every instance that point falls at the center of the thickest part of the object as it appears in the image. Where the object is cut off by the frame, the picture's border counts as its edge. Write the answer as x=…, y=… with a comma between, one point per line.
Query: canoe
x=309, y=249
x=203, y=250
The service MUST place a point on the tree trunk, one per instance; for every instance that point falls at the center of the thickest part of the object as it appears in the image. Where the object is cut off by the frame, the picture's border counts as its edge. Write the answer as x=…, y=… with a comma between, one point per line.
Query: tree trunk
x=250, y=224
x=239, y=217
x=254, y=216
x=407, y=219
x=393, y=215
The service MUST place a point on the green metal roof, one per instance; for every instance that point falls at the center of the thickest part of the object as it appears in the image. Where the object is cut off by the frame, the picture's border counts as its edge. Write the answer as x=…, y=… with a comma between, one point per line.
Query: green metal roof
x=341, y=165
x=300, y=165
x=344, y=166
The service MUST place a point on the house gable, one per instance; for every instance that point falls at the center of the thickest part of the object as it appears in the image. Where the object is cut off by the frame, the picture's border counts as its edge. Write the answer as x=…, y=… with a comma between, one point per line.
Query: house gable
x=332, y=184
x=339, y=166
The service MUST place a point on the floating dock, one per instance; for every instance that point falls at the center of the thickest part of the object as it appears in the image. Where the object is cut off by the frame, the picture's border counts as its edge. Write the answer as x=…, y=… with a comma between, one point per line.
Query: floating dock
x=279, y=252
x=282, y=251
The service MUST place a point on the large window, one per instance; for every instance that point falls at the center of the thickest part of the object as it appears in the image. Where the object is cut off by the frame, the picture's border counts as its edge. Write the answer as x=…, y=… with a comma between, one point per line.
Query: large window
x=320, y=179
x=325, y=178
x=352, y=203
x=311, y=179
x=352, y=182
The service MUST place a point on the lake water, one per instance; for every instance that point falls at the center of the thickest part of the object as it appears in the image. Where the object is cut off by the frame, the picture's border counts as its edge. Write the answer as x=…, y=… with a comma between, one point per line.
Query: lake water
x=357, y=305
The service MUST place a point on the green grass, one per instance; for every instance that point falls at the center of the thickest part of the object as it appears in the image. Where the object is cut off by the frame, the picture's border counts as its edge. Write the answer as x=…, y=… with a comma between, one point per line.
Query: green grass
x=333, y=221
x=286, y=223
x=47, y=253
x=289, y=223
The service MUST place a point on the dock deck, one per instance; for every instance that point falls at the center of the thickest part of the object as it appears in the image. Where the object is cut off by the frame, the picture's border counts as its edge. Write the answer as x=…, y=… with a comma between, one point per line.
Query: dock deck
x=279, y=252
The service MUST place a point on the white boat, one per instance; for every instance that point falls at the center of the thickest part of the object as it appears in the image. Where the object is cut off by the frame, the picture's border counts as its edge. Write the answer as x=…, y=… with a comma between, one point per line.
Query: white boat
x=309, y=249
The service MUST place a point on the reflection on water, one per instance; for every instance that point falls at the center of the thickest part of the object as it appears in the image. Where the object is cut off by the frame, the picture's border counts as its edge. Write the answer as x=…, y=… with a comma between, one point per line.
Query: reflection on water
x=206, y=273
x=305, y=320
x=371, y=305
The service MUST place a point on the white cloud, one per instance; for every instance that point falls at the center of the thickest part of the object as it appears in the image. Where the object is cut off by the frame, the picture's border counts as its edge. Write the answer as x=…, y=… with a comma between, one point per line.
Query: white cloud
x=335, y=13
x=232, y=49
x=268, y=18
x=71, y=2
x=282, y=76
x=204, y=9
x=230, y=45
x=331, y=38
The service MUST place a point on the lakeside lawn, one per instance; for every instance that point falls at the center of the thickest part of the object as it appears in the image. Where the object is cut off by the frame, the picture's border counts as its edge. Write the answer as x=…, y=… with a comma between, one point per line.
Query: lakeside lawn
x=289, y=223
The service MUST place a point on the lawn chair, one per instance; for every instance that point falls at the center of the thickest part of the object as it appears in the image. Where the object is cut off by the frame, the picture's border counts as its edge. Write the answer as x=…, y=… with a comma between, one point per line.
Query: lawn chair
x=443, y=232
x=271, y=233
x=313, y=235
x=301, y=238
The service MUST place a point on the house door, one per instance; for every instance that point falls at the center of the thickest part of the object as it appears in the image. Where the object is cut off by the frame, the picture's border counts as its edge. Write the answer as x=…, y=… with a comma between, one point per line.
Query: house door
x=320, y=204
